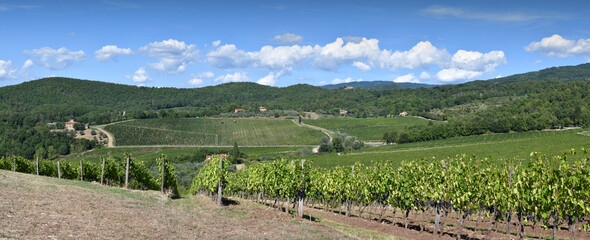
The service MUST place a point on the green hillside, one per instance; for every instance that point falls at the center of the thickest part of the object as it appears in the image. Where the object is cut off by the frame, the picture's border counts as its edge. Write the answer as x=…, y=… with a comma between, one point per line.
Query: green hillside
x=367, y=129
x=213, y=132
x=56, y=99
x=551, y=98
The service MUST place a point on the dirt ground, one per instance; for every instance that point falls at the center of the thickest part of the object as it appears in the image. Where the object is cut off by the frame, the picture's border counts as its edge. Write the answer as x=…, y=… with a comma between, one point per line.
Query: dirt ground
x=473, y=229
x=33, y=207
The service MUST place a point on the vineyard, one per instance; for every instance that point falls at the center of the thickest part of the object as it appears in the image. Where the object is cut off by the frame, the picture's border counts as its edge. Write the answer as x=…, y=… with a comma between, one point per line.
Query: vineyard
x=113, y=172
x=508, y=194
x=495, y=146
x=368, y=129
x=213, y=132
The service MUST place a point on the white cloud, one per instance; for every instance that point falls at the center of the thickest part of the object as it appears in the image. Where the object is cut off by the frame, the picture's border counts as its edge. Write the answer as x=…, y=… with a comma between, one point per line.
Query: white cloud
x=443, y=12
x=55, y=59
x=424, y=76
x=272, y=77
x=288, y=38
x=272, y=58
x=7, y=71
x=174, y=56
x=27, y=65
x=109, y=52
x=282, y=57
x=419, y=56
x=216, y=43
x=236, y=77
x=476, y=61
x=537, y=61
x=139, y=76
x=361, y=66
x=228, y=56
x=195, y=81
x=557, y=46
x=453, y=74
x=347, y=80
x=408, y=78
x=334, y=54
x=206, y=75
x=362, y=53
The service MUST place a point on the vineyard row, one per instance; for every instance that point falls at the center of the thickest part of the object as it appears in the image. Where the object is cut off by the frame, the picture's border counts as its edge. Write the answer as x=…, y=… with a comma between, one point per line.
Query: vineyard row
x=539, y=191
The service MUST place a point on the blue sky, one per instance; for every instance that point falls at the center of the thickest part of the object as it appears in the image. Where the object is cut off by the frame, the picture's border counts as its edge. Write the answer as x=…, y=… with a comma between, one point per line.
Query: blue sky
x=189, y=44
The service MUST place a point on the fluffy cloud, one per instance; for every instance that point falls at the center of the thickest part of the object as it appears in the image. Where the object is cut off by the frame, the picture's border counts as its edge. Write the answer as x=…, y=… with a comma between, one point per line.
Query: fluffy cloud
x=272, y=58
x=7, y=70
x=55, y=59
x=109, y=52
x=476, y=61
x=174, y=56
x=236, y=77
x=361, y=66
x=216, y=43
x=453, y=74
x=228, y=56
x=272, y=77
x=288, y=38
x=347, y=80
x=424, y=76
x=205, y=75
x=195, y=81
x=282, y=57
x=419, y=56
x=198, y=78
x=139, y=76
x=557, y=46
x=334, y=54
x=408, y=78
x=27, y=64
x=362, y=53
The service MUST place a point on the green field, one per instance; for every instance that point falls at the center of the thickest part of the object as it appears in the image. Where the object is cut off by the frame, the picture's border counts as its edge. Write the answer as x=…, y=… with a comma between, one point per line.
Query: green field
x=213, y=132
x=496, y=146
x=149, y=154
x=368, y=129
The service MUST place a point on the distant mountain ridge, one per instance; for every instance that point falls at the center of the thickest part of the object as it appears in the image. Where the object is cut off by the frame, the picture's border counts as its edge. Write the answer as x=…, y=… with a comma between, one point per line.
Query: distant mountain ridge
x=378, y=85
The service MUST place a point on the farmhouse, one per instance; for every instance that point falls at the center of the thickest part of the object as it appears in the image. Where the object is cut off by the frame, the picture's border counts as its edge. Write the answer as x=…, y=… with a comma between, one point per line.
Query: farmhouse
x=262, y=109
x=349, y=88
x=403, y=114
x=237, y=110
x=208, y=158
x=343, y=112
x=70, y=125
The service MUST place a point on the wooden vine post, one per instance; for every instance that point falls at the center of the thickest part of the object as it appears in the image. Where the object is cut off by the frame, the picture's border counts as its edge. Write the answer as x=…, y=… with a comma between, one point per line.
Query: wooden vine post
x=81, y=172
x=509, y=218
x=300, y=197
x=438, y=206
x=58, y=169
x=13, y=164
x=37, y=165
x=349, y=201
x=219, y=183
x=163, y=160
x=127, y=173
x=102, y=172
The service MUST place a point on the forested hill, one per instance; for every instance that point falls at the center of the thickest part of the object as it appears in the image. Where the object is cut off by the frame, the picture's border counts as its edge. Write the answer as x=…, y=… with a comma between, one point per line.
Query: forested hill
x=56, y=99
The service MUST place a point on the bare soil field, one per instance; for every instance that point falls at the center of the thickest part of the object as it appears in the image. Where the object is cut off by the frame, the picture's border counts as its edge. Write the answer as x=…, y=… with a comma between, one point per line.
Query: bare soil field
x=33, y=207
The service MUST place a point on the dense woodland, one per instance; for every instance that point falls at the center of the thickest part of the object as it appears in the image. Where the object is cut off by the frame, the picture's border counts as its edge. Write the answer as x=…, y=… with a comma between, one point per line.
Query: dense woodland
x=550, y=98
